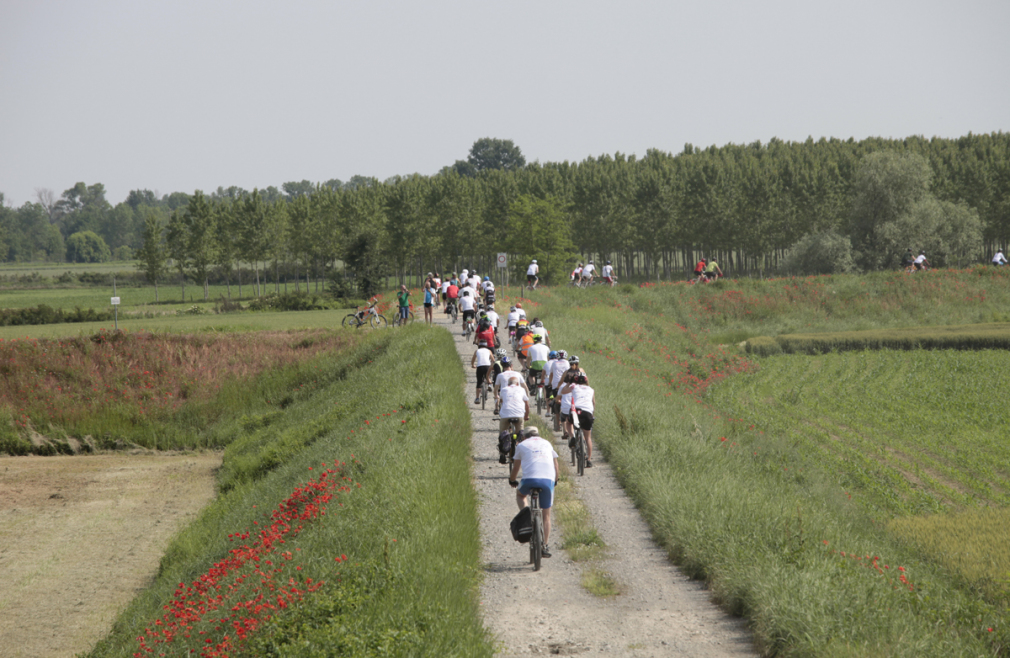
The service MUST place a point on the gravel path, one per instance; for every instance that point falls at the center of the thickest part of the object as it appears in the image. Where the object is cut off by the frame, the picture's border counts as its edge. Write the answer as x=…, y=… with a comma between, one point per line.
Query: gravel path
x=660, y=612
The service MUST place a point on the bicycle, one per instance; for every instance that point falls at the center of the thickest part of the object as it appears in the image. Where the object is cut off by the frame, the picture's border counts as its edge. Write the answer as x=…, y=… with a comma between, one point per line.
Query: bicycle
x=368, y=316
x=468, y=329
x=578, y=445
x=540, y=398
x=453, y=310
x=537, y=540
x=514, y=434
x=484, y=390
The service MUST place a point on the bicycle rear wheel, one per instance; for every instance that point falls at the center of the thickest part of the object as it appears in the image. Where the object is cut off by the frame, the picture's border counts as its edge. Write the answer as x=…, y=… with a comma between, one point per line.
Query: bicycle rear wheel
x=350, y=320
x=580, y=451
x=537, y=540
x=540, y=400
x=483, y=395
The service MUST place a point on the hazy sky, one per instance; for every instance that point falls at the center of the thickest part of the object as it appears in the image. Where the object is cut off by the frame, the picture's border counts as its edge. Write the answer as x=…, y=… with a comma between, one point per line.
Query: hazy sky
x=180, y=95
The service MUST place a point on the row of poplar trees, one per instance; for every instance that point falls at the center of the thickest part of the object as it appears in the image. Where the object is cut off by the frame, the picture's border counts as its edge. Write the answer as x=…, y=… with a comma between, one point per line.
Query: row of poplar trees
x=853, y=205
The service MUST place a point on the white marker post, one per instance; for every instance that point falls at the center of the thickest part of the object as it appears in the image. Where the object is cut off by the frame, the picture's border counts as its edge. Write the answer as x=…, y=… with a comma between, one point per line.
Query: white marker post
x=115, y=301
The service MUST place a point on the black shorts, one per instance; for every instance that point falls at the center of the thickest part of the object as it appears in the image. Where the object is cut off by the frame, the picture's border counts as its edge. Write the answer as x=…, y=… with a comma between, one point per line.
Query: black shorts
x=531, y=277
x=566, y=418
x=482, y=374
x=585, y=420
x=469, y=315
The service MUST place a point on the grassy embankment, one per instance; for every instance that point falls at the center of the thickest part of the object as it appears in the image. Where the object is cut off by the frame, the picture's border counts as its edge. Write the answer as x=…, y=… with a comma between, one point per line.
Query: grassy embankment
x=390, y=568
x=742, y=504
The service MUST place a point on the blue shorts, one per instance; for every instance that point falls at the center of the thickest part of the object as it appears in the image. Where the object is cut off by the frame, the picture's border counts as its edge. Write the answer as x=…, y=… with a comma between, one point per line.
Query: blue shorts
x=403, y=312
x=546, y=493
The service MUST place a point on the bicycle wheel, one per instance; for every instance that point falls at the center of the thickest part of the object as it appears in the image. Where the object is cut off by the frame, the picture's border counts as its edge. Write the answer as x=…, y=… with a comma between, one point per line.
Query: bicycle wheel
x=580, y=451
x=483, y=395
x=350, y=320
x=378, y=322
x=540, y=401
x=410, y=317
x=537, y=541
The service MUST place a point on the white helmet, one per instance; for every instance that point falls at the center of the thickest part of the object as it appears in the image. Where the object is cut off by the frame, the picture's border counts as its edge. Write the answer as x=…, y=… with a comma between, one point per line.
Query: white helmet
x=534, y=261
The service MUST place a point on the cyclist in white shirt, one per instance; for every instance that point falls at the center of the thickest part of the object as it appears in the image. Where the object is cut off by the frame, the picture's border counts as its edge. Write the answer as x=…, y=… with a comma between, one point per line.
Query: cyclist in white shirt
x=463, y=276
x=558, y=367
x=536, y=360
x=538, y=329
x=466, y=305
x=587, y=272
x=577, y=275
x=520, y=311
x=608, y=273
x=999, y=258
x=920, y=262
x=568, y=377
x=482, y=362
x=493, y=317
x=515, y=405
x=531, y=275
x=583, y=404
x=538, y=461
x=507, y=376
x=445, y=286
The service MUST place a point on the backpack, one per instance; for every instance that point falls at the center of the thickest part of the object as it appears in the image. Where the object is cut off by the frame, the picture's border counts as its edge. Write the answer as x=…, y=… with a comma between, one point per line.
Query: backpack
x=522, y=526
x=504, y=442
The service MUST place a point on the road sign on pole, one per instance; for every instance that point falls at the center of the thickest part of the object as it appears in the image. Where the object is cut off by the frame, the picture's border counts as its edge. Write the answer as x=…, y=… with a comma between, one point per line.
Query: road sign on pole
x=502, y=261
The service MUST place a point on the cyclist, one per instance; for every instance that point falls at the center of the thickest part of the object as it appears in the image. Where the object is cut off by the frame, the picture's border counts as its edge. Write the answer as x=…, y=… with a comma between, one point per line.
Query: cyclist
x=493, y=317
x=482, y=362
x=515, y=405
x=538, y=328
x=712, y=270
x=487, y=287
x=699, y=271
x=474, y=282
x=920, y=261
x=583, y=404
x=536, y=361
x=497, y=368
x=531, y=275
x=522, y=328
x=554, y=375
x=403, y=297
x=524, y=346
x=552, y=359
x=464, y=275
x=577, y=275
x=505, y=377
x=587, y=273
x=999, y=258
x=608, y=274
x=566, y=398
x=452, y=296
x=538, y=461
x=908, y=260
x=467, y=306
x=485, y=332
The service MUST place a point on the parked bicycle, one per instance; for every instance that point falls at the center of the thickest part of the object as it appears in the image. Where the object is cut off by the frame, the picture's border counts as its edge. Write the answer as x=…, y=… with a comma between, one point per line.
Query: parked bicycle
x=369, y=316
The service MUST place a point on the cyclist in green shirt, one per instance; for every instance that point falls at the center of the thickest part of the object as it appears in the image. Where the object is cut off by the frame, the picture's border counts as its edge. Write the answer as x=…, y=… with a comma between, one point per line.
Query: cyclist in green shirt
x=404, y=298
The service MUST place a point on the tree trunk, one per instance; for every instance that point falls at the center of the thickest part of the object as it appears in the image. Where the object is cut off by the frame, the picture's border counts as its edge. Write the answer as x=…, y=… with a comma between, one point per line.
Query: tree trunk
x=155, y=291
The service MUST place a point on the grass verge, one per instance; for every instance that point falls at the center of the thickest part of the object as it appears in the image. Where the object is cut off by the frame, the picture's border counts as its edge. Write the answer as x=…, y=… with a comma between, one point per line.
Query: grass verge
x=392, y=565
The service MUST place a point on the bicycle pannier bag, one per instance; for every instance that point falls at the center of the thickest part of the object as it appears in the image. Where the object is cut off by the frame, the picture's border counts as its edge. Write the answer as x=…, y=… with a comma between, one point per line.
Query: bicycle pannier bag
x=522, y=526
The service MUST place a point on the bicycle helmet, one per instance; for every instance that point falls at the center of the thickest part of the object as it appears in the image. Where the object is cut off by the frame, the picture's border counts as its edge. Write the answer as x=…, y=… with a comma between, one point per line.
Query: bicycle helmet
x=466, y=293
x=581, y=379
x=512, y=309
x=487, y=278
x=608, y=262
x=562, y=354
x=537, y=338
x=538, y=323
x=519, y=305
x=500, y=353
x=573, y=359
x=534, y=261
x=553, y=355
x=505, y=361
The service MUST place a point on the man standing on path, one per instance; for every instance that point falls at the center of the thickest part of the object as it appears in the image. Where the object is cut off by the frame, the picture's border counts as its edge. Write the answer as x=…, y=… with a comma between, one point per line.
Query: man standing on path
x=539, y=463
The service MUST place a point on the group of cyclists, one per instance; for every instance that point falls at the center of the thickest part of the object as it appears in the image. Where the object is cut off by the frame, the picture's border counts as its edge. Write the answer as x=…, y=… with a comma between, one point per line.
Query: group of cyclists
x=584, y=275
x=514, y=382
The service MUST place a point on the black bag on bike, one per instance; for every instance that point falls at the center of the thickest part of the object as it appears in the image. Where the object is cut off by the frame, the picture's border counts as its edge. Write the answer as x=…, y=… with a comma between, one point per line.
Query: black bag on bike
x=522, y=526
x=504, y=442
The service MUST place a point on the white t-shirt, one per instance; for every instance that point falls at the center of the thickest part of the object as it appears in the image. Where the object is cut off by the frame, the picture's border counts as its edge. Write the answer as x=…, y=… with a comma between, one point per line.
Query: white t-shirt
x=505, y=376
x=999, y=257
x=484, y=356
x=466, y=303
x=583, y=397
x=558, y=369
x=566, y=404
x=445, y=286
x=608, y=271
x=462, y=275
x=521, y=312
x=474, y=282
x=537, y=456
x=532, y=269
x=513, y=318
x=578, y=271
x=588, y=269
x=921, y=258
x=493, y=317
x=537, y=352
x=540, y=331
x=512, y=399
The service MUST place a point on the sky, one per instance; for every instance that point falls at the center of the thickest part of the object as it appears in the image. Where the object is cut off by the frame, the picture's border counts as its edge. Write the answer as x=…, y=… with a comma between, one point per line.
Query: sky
x=183, y=95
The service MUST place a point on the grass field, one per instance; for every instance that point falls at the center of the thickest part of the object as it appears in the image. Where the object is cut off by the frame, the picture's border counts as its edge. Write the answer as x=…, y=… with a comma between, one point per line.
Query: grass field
x=388, y=566
x=746, y=505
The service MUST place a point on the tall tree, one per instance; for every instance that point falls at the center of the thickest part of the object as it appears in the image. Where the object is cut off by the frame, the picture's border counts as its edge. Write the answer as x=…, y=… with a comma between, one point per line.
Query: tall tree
x=491, y=153
x=153, y=255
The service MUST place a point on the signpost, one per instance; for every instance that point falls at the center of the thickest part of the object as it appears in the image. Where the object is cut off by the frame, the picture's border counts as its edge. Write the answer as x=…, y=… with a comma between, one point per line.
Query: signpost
x=115, y=301
x=503, y=261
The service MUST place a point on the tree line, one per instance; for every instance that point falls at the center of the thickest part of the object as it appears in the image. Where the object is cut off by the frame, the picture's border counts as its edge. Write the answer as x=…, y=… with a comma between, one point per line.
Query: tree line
x=758, y=208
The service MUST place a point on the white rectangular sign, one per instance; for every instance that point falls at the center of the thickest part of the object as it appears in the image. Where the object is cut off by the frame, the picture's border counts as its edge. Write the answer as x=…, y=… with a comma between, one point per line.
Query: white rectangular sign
x=115, y=301
x=502, y=261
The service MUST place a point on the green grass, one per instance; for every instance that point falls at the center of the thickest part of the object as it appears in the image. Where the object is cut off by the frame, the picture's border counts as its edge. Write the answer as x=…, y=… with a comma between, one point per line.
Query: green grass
x=744, y=508
x=410, y=532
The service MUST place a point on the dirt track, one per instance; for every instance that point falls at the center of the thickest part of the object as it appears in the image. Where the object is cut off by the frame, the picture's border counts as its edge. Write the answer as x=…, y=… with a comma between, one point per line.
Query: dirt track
x=79, y=536
x=660, y=612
